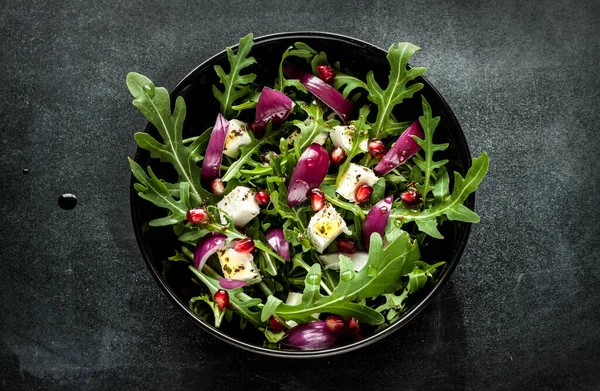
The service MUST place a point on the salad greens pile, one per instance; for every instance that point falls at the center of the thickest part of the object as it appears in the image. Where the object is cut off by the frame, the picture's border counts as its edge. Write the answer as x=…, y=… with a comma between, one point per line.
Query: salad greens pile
x=312, y=254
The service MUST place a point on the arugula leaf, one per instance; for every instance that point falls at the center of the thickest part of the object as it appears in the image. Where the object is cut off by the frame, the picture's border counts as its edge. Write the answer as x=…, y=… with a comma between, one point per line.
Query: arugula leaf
x=240, y=302
x=312, y=126
x=246, y=153
x=217, y=313
x=235, y=84
x=350, y=83
x=362, y=133
x=299, y=49
x=397, y=89
x=451, y=206
x=155, y=104
x=381, y=274
x=152, y=189
x=394, y=129
x=427, y=164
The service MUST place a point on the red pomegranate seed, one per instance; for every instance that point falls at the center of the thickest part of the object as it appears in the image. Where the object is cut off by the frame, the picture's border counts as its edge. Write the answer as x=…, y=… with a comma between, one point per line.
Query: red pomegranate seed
x=326, y=73
x=262, y=198
x=221, y=298
x=353, y=326
x=317, y=199
x=363, y=193
x=217, y=187
x=336, y=324
x=245, y=245
x=377, y=148
x=338, y=156
x=410, y=197
x=198, y=216
x=275, y=324
x=346, y=246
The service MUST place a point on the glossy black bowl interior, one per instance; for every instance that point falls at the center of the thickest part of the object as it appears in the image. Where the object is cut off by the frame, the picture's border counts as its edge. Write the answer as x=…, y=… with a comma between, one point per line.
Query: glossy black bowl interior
x=156, y=244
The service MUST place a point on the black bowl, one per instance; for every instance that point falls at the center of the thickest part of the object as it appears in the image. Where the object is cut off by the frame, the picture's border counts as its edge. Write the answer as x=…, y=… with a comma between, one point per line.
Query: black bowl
x=156, y=244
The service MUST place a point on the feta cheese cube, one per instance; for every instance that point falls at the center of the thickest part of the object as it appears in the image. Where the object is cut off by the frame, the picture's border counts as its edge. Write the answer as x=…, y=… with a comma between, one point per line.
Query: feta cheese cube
x=332, y=261
x=325, y=226
x=320, y=138
x=343, y=136
x=238, y=266
x=240, y=205
x=293, y=298
x=237, y=136
x=354, y=176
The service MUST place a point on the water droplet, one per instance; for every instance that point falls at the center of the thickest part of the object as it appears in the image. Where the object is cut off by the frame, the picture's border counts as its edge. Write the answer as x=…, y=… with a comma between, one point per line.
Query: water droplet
x=371, y=271
x=149, y=91
x=310, y=162
x=67, y=201
x=347, y=275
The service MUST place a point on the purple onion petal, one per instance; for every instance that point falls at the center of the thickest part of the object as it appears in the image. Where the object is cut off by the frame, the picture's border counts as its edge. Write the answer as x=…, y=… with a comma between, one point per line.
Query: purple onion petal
x=272, y=105
x=401, y=151
x=310, y=336
x=309, y=173
x=376, y=220
x=229, y=283
x=323, y=91
x=276, y=239
x=206, y=247
x=211, y=166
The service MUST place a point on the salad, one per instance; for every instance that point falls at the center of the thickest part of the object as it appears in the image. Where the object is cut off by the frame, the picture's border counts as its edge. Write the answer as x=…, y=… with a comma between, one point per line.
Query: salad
x=301, y=212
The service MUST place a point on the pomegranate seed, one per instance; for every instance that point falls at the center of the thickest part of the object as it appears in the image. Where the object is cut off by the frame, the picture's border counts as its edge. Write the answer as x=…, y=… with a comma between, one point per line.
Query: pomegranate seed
x=198, y=216
x=275, y=324
x=346, y=246
x=245, y=245
x=257, y=133
x=262, y=198
x=336, y=324
x=377, y=148
x=317, y=199
x=326, y=73
x=410, y=197
x=217, y=187
x=353, y=326
x=338, y=156
x=221, y=298
x=363, y=193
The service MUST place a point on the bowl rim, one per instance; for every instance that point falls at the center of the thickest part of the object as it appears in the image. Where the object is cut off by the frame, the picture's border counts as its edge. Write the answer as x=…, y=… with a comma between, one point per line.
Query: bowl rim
x=406, y=317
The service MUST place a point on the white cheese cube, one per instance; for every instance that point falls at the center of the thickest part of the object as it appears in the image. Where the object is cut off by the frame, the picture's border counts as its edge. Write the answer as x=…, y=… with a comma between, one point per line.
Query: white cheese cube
x=325, y=226
x=237, y=136
x=240, y=205
x=238, y=266
x=343, y=136
x=354, y=176
x=332, y=261
x=293, y=298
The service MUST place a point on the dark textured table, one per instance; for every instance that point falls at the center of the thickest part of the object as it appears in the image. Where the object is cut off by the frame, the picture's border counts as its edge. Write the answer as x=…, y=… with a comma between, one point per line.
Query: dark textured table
x=79, y=309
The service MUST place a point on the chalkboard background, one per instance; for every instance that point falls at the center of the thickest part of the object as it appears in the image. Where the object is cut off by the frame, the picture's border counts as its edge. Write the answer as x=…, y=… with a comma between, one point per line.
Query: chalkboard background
x=78, y=307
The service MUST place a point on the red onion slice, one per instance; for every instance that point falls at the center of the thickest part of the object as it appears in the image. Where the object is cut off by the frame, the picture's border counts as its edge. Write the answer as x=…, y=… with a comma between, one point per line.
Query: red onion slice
x=401, y=151
x=323, y=91
x=310, y=336
x=376, y=220
x=276, y=239
x=309, y=173
x=229, y=283
x=211, y=166
x=273, y=106
x=206, y=247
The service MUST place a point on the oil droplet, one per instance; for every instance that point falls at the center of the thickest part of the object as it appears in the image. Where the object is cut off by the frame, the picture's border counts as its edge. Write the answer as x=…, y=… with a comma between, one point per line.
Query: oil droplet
x=347, y=275
x=149, y=91
x=67, y=201
x=371, y=271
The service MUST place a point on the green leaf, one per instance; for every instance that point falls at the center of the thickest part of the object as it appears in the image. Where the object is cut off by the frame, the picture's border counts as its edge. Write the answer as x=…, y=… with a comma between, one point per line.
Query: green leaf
x=427, y=164
x=246, y=154
x=155, y=104
x=152, y=189
x=240, y=302
x=235, y=84
x=394, y=129
x=350, y=83
x=382, y=274
x=441, y=189
x=429, y=226
x=452, y=206
x=310, y=128
x=397, y=89
x=362, y=133
x=301, y=50
x=269, y=308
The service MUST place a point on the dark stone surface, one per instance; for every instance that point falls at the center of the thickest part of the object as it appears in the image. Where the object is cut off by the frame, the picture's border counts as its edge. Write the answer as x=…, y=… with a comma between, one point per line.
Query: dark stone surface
x=78, y=308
